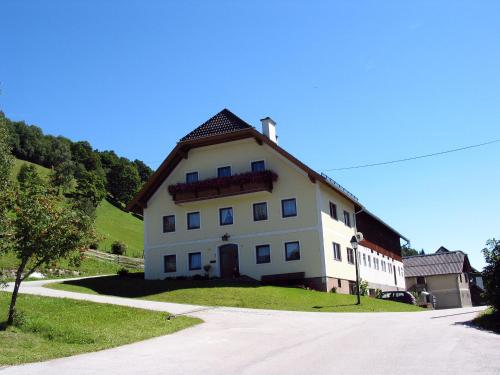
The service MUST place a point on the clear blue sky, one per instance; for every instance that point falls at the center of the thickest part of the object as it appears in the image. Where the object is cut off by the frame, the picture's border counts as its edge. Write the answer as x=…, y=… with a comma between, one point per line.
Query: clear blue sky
x=347, y=82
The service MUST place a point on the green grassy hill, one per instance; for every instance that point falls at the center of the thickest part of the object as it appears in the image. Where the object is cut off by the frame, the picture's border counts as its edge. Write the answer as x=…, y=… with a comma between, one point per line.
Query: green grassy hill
x=112, y=224
x=44, y=172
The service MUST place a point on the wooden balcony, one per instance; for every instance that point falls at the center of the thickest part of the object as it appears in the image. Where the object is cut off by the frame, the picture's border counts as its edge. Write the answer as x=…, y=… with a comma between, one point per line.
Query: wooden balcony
x=219, y=187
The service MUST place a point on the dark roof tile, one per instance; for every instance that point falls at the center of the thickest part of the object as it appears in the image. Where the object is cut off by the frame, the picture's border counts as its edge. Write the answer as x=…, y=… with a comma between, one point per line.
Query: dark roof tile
x=222, y=123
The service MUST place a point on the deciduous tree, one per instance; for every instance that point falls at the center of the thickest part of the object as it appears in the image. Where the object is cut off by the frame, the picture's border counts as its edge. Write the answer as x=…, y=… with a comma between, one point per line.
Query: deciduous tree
x=43, y=229
x=491, y=273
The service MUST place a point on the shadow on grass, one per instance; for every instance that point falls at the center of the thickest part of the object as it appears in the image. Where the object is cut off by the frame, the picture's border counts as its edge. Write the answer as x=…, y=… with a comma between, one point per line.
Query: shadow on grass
x=134, y=285
x=488, y=321
x=334, y=306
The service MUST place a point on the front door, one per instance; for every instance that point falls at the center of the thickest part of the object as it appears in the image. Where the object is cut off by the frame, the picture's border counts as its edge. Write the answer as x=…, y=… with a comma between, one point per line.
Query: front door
x=228, y=261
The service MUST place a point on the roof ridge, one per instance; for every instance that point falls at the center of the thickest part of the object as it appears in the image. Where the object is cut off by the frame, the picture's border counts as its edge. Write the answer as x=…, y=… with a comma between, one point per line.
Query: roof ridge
x=428, y=255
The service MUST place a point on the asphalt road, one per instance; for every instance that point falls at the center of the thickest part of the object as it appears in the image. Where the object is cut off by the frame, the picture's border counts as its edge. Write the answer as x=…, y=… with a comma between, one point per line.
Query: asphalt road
x=244, y=341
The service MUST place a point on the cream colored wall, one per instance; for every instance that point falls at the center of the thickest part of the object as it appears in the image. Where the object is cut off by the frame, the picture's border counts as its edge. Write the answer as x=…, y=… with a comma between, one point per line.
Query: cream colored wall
x=292, y=183
x=336, y=231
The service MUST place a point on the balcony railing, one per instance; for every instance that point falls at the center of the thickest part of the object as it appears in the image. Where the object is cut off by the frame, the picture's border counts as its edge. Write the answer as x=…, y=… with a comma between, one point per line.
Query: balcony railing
x=219, y=187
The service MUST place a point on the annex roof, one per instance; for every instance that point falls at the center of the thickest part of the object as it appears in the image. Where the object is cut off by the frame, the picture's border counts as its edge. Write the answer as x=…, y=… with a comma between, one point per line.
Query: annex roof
x=441, y=263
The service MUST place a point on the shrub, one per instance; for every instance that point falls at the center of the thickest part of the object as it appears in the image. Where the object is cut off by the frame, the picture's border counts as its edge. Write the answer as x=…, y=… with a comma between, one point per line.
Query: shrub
x=118, y=248
x=363, y=287
x=94, y=246
x=19, y=319
x=333, y=290
x=123, y=272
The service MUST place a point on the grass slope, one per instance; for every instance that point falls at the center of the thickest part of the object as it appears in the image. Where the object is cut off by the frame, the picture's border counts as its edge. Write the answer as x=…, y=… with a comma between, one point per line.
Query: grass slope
x=54, y=327
x=223, y=293
x=112, y=223
x=44, y=172
x=88, y=267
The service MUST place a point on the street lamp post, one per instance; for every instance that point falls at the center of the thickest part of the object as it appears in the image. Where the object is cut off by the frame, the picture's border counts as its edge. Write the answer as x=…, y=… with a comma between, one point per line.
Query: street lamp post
x=354, y=244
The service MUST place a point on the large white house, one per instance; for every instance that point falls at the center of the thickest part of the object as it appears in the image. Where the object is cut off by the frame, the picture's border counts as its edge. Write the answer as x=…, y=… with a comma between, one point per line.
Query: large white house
x=229, y=201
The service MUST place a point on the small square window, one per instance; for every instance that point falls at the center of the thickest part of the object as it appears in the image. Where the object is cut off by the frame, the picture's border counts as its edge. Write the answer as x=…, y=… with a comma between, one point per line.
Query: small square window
x=193, y=220
x=289, y=207
x=168, y=223
x=170, y=263
x=223, y=171
x=191, y=177
x=347, y=218
x=258, y=166
x=226, y=216
x=350, y=256
x=260, y=211
x=292, y=251
x=337, y=255
x=194, y=261
x=333, y=211
x=263, y=254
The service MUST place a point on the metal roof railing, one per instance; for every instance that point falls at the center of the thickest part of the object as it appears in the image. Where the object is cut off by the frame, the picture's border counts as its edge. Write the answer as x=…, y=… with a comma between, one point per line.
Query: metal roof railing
x=336, y=185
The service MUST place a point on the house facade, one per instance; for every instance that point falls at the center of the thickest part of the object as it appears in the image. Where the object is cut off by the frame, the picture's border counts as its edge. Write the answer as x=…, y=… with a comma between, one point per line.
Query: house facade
x=380, y=261
x=229, y=201
x=445, y=274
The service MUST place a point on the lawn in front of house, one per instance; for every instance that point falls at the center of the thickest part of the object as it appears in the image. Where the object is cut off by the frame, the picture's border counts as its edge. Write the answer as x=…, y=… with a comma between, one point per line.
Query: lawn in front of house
x=48, y=328
x=228, y=293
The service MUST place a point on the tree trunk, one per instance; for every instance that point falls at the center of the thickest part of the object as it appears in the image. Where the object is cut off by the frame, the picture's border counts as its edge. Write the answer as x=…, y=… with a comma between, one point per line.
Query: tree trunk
x=17, y=284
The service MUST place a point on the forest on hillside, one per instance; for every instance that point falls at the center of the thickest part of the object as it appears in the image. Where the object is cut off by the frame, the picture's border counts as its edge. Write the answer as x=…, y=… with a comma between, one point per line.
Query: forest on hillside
x=77, y=166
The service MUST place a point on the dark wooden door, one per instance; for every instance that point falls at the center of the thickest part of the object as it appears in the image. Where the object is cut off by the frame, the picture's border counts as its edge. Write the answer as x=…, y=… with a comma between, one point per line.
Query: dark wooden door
x=228, y=261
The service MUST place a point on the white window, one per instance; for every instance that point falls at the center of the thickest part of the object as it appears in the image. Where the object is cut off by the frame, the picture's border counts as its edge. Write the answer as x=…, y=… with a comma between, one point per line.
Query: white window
x=364, y=260
x=337, y=255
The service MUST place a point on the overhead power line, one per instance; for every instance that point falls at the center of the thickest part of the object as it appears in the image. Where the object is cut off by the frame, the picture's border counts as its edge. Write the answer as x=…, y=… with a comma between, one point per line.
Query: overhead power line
x=413, y=157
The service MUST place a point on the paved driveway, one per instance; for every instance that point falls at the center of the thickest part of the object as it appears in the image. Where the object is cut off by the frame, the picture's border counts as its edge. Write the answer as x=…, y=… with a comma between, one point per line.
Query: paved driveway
x=244, y=341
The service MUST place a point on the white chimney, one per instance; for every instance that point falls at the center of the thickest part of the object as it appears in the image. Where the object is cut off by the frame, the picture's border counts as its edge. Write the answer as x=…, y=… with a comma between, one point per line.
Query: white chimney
x=269, y=129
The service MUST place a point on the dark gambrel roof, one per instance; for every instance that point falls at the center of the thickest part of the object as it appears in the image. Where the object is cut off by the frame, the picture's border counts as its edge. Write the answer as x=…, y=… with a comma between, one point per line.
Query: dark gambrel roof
x=435, y=264
x=223, y=122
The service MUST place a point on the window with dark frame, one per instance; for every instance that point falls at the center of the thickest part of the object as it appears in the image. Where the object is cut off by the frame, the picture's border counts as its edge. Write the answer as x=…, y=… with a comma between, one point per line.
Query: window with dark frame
x=258, y=166
x=347, y=218
x=170, y=263
x=333, y=211
x=193, y=220
x=350, y=255
x=288, y=207
x=194, y=261
x=259, y=211
x=292, y=251
x=339, y=283
x=337, y=255
x=226, y=216
x=263, y=254
x=420, y=280
x=168, y=223
x=224, y=171
x=191, y=177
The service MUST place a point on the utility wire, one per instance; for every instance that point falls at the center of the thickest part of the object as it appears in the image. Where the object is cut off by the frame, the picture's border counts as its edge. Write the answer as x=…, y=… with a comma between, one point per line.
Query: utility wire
x=413, y=157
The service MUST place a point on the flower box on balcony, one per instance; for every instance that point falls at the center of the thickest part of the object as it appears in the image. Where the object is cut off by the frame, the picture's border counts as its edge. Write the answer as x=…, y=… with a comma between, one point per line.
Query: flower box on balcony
x=223, y=186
